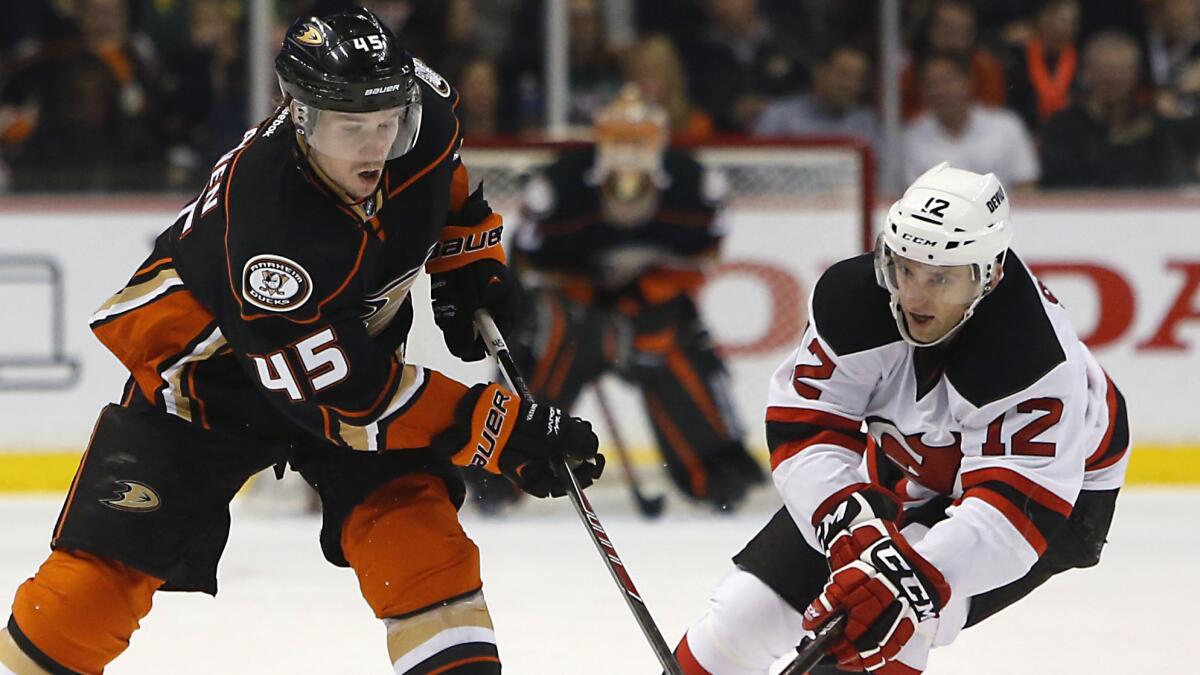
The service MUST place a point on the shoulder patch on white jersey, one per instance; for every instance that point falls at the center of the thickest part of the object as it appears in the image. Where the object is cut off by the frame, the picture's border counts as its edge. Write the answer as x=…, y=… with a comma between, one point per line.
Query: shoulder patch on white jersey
x=431, y=77
x=275, y=283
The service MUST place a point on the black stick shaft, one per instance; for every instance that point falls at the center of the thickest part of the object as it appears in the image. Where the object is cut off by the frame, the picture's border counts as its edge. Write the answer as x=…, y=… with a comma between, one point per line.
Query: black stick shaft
x=499, y=350
x=812, y=652
x=648, y=506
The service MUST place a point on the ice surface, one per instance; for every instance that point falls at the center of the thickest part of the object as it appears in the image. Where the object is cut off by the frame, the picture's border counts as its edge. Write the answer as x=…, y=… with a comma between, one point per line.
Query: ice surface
x=283, y=609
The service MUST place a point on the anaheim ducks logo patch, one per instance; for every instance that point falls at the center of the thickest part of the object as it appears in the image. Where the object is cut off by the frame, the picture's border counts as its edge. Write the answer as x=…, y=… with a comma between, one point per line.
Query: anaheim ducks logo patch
x=133, y=496
x=309, y=35
x=274, y=283
x=431, y=77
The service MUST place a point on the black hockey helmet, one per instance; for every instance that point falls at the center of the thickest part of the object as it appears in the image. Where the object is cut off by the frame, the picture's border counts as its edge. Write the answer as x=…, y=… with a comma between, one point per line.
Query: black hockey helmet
x=349, y=62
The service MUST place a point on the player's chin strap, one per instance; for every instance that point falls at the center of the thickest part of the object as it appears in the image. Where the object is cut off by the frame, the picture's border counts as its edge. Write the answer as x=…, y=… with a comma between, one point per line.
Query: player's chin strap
x=496, y=346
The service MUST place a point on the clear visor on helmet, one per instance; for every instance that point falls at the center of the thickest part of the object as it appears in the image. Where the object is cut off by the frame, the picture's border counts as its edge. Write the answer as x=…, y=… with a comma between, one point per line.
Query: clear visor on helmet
x=367, y=137
x=918, y=282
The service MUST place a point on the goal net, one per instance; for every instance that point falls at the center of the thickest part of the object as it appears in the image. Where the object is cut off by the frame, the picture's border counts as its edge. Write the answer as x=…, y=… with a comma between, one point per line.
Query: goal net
x=794, y=207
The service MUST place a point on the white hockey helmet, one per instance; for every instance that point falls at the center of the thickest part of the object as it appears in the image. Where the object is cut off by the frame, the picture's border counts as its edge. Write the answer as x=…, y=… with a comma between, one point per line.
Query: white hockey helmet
x=947, y=218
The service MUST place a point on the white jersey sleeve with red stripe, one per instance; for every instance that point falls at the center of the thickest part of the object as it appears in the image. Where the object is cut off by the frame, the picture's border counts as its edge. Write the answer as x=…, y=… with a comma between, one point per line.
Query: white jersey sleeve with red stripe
x=815, y=409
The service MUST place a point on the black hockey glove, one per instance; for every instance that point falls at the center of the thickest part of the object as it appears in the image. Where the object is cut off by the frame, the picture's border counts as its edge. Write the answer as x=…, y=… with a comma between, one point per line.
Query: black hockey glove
x=458, y=293
x=500, y=433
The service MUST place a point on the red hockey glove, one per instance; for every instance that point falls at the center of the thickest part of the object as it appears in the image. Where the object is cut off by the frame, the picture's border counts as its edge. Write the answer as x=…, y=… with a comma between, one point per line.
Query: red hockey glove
x=868, y=503
x=500, y=433
x=884, y=587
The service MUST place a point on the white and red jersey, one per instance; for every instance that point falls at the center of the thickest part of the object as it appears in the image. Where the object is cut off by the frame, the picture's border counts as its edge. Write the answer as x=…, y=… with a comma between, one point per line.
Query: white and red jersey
x=1010, y=418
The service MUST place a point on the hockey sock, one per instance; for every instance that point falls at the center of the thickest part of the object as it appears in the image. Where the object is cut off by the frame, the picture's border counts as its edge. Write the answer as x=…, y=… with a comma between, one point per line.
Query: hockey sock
x=79, y=611
x=746, y=629
x=456, y=637
x=13, y=661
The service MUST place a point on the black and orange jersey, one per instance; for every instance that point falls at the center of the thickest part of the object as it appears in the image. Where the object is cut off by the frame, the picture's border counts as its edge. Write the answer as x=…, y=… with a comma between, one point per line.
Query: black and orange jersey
x=271, y=303
x=567, y=233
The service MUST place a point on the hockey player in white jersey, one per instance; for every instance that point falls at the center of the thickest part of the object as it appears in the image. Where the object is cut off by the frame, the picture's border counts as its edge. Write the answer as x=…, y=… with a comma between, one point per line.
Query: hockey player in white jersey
x=995, y=446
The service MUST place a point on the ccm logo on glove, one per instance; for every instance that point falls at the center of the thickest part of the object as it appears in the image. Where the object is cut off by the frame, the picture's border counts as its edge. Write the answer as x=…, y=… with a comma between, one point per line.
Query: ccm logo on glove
x=886, y=557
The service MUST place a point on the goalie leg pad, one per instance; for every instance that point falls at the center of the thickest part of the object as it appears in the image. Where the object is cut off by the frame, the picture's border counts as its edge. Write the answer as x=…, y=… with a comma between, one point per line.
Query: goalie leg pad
x=454, y=637
x=408, y=549
x=79, y=611
x=746, y=629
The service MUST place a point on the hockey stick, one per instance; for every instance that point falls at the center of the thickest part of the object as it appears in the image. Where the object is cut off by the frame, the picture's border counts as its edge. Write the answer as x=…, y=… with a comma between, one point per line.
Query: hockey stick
x=648, y=506
x=499, y=351
x=812, y=650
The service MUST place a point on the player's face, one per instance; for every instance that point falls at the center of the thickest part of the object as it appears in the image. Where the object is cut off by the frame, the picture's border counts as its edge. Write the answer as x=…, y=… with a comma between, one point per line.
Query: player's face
x=351, y=148
x=933, y=299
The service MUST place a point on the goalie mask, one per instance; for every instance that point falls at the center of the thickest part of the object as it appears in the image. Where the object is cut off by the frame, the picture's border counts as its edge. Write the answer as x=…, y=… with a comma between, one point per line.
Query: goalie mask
x=943, y=246
x=353, y=92
x=631, y=136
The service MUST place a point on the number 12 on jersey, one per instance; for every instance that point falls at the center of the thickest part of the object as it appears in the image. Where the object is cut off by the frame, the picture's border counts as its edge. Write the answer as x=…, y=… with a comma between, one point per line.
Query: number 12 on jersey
x=1022, y=441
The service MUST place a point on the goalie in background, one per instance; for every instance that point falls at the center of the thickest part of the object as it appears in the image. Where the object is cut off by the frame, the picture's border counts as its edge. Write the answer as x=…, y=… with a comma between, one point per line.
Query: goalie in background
x=614, y=243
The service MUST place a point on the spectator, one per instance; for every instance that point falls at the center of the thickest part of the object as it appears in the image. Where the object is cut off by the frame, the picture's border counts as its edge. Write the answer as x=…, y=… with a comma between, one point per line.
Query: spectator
x=654, y=66
x=952, y=31
x=205, y=96
x=479, y=89
x=441, y=33
x=83, y=140
x=832, y=106
x=967, y=134
x=739, y=64
x=1111, y=136
x=595, y=73
x=1173, y=54
x=1043, y=71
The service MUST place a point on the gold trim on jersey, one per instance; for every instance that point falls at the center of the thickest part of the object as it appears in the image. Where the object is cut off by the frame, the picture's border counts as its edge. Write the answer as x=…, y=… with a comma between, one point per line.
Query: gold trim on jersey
x=367, y=437
x=174, y=400
x=138, y=295
x=384, y=304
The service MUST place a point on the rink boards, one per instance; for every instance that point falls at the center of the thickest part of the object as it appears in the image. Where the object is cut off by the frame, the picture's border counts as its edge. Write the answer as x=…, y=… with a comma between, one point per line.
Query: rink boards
x=1128, y=271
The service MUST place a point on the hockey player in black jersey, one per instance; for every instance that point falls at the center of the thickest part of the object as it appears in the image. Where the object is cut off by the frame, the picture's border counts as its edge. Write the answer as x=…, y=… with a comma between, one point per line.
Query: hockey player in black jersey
x=995, y=446
x=268, y=326
x=615, y=240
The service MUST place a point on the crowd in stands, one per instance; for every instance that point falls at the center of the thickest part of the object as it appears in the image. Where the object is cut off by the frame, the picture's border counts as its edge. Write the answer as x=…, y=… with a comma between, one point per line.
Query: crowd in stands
x=138, y=95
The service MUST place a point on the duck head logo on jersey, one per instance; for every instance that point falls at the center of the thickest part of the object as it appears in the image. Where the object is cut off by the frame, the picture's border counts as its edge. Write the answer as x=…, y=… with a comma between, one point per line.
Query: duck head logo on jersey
x=931, y=465
x=275, y=283
x=133, y=496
